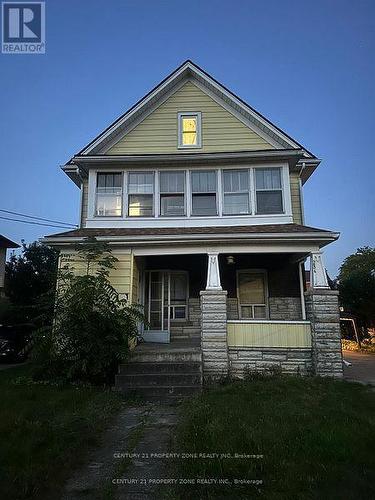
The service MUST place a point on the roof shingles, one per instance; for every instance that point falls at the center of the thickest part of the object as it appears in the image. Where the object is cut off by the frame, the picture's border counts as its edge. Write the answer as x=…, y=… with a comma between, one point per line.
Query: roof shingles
x=175, y=231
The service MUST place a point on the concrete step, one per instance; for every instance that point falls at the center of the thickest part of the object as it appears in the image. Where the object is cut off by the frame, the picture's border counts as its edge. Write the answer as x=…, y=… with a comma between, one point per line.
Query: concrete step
x=134, y=367
x=175, y=355
x=158, y=379
x=158, y=392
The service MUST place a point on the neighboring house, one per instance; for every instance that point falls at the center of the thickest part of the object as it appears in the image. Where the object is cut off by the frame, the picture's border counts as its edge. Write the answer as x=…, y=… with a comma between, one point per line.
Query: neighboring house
x=200, y=198
x=4, y=245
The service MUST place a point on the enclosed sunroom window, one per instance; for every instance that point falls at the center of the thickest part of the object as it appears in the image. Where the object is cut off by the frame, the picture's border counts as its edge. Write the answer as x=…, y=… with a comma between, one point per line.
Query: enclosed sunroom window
x=141, y=194
x=172, y=193
x=203, y=188
x=189, y=130
x=108, y=201
x=252, y=294
x=269, y=192
x=236, y=192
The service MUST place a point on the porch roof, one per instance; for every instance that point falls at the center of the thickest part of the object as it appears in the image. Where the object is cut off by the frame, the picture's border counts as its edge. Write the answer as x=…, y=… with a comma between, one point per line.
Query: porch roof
x=189, y=234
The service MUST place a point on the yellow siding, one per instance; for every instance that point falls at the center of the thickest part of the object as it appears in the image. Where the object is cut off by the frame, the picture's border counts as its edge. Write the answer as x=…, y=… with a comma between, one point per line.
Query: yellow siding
x=221, y=131
x=120, y=277
x=269, y=334
x=296, y=199
x=85, y=192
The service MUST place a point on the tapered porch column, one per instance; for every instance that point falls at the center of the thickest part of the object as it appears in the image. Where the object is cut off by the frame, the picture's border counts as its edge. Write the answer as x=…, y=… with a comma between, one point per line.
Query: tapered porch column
x=322, y=310
x=214, y=323
x=318, y=275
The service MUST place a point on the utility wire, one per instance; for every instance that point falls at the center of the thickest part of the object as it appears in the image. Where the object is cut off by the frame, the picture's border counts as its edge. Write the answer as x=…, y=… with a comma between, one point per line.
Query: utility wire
x=34, y=223
x=38, y=218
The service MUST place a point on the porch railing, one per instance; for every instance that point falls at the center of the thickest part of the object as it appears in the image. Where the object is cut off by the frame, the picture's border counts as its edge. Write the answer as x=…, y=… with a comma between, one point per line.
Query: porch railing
x=267, y=333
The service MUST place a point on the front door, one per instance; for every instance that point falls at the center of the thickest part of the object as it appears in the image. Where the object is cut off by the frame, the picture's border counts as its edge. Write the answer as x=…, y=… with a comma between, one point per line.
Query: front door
x=166, y=296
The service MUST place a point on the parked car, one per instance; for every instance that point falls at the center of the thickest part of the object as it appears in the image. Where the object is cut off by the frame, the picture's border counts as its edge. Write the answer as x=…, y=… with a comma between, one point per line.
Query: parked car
x=15, y=342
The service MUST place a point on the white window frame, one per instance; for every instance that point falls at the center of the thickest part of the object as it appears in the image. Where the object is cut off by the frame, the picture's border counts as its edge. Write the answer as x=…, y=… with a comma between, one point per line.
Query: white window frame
x=266, y=304
x=282, y=189
x=220, y=216
x=217, y=192
x=198, y=116
x=245, y=191
x=109, y=172
x=160, y=193
x=153, y=194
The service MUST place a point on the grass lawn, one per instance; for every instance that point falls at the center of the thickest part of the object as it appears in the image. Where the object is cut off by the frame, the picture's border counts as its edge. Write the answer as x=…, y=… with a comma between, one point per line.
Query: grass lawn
x=45, y=431
x=317, y=438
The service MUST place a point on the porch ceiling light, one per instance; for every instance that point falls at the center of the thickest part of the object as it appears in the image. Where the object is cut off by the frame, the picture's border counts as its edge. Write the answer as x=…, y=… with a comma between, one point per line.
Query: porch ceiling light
x=230, y=260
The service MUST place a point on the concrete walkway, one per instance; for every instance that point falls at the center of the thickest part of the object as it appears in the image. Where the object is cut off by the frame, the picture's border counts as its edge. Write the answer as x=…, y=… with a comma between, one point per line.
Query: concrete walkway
x=122, y=467
x=362, y=368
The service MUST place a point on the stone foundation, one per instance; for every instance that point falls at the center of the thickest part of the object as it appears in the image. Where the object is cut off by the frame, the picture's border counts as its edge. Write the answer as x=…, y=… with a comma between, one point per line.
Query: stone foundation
x=288, y=360
x=323, y=312
x=214, y=333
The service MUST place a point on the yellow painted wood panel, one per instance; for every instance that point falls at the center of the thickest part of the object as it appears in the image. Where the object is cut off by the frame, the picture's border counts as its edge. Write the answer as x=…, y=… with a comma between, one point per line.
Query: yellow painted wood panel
x=269, y=334
x=221, y=130
x=120, y=276
x=295, y=198
x=85, y=196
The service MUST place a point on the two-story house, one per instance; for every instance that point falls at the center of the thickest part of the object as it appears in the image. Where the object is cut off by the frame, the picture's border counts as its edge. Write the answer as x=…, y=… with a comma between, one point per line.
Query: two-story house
x=200, y=198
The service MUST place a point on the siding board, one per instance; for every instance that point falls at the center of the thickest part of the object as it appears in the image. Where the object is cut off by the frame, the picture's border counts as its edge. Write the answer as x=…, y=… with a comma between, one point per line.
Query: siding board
x=157, y=133
x=295, y=198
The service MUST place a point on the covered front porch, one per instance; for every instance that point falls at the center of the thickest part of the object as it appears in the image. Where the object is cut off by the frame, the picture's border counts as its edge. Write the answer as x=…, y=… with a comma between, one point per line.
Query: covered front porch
x=246, y=310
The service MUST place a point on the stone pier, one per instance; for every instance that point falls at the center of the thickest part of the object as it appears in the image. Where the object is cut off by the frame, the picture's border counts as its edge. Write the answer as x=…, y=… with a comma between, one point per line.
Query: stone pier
x=323, y=312
x=214, y=333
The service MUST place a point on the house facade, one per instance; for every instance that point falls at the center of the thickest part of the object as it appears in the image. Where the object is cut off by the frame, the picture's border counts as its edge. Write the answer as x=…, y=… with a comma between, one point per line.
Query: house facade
x=200, y=198
x=5, y=243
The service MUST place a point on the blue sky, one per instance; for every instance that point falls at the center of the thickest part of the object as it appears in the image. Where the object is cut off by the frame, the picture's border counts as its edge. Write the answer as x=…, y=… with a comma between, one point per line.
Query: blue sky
x=308, y=66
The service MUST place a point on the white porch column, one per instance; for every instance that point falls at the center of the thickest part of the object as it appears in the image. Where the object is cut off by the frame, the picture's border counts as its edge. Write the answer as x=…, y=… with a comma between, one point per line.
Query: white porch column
x=214, y=323
x=213, y=273
x=318, y=275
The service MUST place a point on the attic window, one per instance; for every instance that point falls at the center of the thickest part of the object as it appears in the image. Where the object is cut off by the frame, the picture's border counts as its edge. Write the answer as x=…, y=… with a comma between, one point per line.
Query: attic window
x=189, y=130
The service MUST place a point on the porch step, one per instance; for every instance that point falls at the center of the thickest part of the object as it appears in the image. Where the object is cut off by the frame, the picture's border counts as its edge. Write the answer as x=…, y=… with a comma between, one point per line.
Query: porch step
x=161, y=372
x=134, y=380
x=135, y=367
x=160, y=392
x=175, y=356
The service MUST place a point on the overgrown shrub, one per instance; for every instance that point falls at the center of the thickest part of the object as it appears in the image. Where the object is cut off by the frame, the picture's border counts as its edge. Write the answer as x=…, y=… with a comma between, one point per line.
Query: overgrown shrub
x=92, y=326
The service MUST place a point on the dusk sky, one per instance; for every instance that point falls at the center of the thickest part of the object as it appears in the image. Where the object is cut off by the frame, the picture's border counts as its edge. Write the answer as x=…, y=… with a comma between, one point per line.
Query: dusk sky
x=307, y=66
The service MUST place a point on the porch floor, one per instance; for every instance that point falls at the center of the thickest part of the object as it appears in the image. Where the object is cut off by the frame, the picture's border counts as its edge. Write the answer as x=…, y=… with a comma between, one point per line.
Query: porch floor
x=176, y=345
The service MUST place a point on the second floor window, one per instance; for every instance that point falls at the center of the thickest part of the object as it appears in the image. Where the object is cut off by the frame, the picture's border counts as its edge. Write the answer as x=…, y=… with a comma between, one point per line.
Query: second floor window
x=236, y=192
x=172, y=193
x=108, y=195
x=269, y=192
x=141, y=194
x=203, y=189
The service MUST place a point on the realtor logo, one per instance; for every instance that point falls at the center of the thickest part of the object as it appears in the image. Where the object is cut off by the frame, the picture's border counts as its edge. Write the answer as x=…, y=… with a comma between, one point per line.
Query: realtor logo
x=23, y=28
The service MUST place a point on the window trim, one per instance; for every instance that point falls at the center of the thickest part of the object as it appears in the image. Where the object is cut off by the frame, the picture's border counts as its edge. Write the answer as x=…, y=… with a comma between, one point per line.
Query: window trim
x=248, y=192
x=266, y=304
x=220, y=216
x=217, y=192
x=281, y=188
x=160, y=193
x=112, y=172
x=153, y=194
x=198, y=116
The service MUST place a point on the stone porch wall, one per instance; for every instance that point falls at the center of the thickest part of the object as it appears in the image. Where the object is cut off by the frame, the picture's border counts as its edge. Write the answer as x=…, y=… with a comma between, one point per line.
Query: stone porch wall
x=323, y=312
x=289, y=360
x=281, y=308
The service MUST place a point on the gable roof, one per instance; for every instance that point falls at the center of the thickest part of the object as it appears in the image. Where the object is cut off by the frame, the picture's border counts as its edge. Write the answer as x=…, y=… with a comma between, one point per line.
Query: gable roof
x=6, y=243
x=189, y=70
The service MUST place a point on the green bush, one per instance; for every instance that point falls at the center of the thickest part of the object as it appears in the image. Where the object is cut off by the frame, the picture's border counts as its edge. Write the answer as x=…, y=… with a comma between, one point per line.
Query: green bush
x=92, y=326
